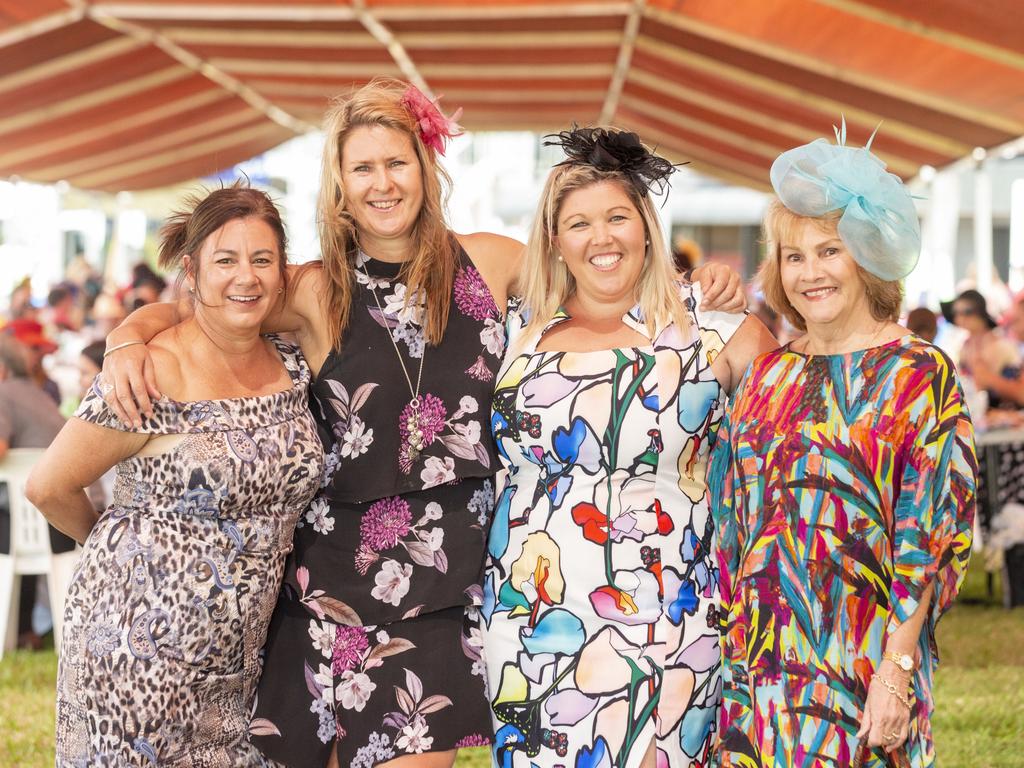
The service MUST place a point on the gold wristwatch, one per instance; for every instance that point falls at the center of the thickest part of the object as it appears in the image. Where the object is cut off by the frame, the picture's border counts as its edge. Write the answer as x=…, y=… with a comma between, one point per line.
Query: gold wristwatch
x=902, y=660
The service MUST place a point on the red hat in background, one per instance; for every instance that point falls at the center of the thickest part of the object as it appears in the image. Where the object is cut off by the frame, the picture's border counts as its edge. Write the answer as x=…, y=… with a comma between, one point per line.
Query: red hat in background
x=30, y=333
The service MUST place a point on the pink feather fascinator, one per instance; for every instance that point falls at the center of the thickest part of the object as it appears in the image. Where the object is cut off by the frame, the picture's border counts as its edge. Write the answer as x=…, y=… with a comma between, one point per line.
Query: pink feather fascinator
x=435, y=129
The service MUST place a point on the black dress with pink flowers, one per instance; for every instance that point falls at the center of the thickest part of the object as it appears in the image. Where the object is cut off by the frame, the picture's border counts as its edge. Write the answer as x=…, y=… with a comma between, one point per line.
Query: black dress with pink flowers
x=375, y=642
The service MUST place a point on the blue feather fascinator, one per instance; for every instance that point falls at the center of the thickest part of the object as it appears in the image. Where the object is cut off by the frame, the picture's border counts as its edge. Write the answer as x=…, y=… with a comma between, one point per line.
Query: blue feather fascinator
x=879, y=223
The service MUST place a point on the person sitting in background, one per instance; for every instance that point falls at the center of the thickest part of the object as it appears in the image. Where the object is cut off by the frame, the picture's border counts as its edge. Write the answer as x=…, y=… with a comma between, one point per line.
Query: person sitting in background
x=987, y=357
x=922, y=323
x=28, y=419
x=1007, y=383
x=37, y=345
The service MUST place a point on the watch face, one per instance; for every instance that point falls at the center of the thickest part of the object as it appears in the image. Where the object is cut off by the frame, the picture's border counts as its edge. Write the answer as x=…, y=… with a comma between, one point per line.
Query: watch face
x=905, y=662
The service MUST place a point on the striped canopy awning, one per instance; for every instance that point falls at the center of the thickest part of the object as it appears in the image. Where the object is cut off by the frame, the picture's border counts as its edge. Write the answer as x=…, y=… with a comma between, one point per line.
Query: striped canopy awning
x=144, y=93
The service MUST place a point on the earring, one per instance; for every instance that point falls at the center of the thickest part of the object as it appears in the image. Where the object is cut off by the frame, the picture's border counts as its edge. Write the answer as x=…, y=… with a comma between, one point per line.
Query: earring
x=191, y=289
x=280, y=290
x=560, y=257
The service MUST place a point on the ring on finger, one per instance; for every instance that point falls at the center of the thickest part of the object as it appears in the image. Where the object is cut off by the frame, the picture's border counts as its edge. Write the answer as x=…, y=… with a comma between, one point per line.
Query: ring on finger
x=892, y=736
x=106, y=388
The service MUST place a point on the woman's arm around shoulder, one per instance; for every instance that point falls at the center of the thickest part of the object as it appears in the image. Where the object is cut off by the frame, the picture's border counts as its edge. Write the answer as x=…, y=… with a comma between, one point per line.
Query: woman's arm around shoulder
x=497, y=259
x=749, y=341
x=129, y=368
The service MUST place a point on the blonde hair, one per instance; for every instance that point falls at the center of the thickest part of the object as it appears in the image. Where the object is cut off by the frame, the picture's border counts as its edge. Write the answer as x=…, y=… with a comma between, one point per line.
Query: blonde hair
x=546, y=283
x=431, y=270
x=885, y=297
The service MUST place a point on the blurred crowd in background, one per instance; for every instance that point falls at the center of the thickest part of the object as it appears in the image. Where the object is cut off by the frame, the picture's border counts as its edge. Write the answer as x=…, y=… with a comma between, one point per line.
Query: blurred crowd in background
x=50, y=352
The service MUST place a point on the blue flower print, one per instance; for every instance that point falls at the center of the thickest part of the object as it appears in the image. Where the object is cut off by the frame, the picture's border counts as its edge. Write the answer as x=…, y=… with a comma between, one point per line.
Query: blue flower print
x=597, y=756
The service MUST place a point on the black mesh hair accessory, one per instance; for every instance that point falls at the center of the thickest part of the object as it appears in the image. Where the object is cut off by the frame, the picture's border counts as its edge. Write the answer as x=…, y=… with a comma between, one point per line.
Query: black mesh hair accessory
x=614, y=150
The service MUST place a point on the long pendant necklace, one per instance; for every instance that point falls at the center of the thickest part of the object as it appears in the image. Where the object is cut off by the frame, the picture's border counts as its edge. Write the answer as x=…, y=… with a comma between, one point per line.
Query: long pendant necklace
x=413, y=423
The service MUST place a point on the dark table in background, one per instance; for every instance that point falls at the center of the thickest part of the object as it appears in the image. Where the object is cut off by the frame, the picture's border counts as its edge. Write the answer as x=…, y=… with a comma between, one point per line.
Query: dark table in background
x=1001, y=481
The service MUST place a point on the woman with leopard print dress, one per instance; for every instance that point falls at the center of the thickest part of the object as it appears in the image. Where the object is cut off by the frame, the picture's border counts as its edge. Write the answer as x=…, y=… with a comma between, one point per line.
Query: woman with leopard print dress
x=178, y=578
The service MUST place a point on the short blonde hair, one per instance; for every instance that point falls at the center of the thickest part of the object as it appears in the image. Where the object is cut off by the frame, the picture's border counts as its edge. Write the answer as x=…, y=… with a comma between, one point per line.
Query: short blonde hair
x=885, y=297
x=546, y=283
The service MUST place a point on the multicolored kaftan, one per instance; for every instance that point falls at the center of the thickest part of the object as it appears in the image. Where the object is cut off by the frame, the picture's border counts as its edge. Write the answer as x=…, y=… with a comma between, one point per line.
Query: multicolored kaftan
x=841, y=485
x=599, y=598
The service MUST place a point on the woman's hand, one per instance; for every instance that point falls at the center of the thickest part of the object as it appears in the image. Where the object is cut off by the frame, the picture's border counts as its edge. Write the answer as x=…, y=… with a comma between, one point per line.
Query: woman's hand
x=128, y=383
x=721, y=286
x=886, y=720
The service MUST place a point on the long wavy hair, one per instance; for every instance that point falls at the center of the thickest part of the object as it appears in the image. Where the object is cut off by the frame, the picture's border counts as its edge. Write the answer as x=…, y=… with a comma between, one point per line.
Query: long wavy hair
x=546, y=283
x=430, y=271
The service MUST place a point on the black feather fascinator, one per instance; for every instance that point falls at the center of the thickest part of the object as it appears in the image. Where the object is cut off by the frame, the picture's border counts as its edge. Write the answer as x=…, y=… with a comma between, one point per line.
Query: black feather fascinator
x=609, y=149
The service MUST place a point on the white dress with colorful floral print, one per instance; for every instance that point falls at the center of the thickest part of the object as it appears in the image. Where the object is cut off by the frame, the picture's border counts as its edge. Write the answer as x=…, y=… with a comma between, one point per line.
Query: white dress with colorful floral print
x=599, y=598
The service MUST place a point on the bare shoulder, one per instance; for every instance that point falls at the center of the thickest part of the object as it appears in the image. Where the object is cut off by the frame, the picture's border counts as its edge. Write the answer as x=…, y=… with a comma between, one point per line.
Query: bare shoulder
x=306, y=284
x=490, y=241
x=165, y=351
x=497, y=258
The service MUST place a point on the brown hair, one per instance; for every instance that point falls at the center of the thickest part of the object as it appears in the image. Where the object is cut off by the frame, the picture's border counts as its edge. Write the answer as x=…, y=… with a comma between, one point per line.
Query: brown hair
x=431, y=270
x=186, y=230
x=545, y=283
x=885, y=297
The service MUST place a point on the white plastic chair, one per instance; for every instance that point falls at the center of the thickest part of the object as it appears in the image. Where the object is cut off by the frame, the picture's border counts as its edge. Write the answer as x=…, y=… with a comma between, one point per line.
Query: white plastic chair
x=30, y=551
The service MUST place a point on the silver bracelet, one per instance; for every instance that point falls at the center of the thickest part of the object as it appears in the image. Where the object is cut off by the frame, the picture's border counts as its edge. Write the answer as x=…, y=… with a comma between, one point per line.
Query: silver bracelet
x=121, y=346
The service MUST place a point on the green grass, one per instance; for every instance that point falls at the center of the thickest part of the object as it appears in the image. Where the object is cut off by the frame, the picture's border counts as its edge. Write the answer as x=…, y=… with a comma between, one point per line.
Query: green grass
x=979, y=693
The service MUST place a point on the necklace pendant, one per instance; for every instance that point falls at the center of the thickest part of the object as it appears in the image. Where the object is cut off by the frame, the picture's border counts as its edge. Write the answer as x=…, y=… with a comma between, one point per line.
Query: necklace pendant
x=412, y=425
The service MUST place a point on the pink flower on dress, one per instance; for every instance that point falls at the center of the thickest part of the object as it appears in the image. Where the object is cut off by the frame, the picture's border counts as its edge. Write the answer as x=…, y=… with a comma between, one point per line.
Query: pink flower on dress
x=384, y=523
x=432, y=417
x=472, y=295
x=349, y=644
x=365, y=558
x=473, y=740
x=479, y=370
x=434, y=128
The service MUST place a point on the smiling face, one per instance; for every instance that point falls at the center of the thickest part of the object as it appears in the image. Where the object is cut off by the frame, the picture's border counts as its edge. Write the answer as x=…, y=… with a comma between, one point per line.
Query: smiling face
x=239, y=275
x=601, y=236
x=382, y=182
x=820, y=277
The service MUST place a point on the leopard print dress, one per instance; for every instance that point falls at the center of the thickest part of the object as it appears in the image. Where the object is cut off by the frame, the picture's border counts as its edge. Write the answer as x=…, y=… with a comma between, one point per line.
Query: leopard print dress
x=169, y=607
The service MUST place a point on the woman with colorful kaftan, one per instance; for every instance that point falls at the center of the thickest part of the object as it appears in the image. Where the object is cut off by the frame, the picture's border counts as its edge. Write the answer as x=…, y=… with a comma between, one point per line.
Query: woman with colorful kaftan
x=842, y=486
